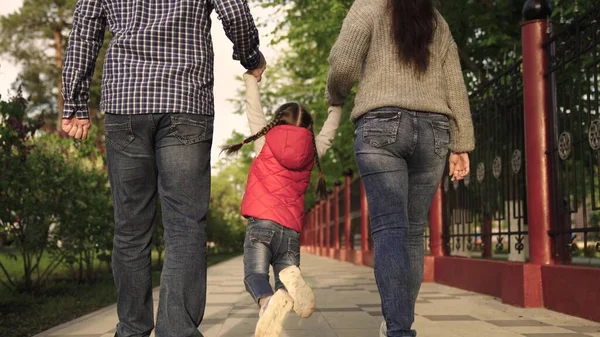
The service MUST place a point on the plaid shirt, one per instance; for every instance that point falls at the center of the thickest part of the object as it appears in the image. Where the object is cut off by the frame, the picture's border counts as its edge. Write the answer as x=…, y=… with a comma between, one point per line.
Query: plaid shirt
x=160, y=59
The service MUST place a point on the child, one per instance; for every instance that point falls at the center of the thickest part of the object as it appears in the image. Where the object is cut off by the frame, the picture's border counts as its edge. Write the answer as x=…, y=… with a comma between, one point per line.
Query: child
x=274, y=205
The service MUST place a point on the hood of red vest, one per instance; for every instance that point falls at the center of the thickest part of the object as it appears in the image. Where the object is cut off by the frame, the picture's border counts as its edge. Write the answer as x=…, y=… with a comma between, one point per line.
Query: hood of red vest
x=292, y=146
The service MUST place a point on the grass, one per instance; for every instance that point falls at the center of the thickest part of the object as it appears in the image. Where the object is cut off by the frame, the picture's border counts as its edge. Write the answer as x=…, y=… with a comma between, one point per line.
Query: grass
x=14, y=264
x=60, y=301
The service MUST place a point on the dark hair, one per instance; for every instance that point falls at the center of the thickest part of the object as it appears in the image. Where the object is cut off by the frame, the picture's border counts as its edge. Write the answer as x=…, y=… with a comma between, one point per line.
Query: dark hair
x=288, y=114
x=413, y=25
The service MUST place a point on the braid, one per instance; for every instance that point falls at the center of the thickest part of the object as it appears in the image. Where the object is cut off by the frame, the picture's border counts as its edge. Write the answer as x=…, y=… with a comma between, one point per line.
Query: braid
x=231, y=149
x=321, y=190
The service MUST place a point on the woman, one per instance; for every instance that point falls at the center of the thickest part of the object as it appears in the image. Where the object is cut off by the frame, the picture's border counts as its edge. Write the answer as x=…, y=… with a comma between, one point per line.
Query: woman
x=410, y=109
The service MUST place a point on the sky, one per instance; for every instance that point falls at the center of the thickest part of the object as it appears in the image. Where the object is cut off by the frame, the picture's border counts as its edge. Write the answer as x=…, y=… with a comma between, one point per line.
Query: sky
x=226, y=70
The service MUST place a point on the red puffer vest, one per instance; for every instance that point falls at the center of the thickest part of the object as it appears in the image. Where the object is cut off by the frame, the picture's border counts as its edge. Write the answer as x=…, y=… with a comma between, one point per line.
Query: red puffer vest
x=279, y=177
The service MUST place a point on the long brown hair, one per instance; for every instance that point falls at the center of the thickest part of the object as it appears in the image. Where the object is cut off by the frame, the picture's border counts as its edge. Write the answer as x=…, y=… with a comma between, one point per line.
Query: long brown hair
x=288, y=114
x=413, y=25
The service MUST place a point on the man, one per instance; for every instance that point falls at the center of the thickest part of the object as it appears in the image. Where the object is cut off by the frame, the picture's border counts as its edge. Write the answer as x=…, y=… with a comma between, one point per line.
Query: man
x=157, y=94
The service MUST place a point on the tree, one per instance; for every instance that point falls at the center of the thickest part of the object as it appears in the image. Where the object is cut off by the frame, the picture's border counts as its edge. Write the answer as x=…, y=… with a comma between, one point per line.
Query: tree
x=27, y=35
x=36, y=37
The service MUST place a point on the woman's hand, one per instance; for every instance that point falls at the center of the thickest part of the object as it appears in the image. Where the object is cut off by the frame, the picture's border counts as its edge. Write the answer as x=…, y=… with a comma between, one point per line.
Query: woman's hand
x=459, y=165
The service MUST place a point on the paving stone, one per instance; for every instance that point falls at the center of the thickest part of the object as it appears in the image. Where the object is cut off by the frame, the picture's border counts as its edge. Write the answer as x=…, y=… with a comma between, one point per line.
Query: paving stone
x=348, y=305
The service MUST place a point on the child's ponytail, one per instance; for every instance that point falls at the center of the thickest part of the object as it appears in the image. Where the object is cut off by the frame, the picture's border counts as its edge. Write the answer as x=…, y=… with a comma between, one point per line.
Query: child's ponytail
x=231, y=149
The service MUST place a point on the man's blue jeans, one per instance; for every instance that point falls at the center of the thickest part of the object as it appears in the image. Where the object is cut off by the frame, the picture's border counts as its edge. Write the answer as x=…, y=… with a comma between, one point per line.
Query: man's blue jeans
x=166, y=156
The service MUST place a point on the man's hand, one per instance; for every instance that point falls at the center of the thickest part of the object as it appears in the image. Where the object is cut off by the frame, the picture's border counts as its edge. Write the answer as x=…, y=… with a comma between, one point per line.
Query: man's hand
x=459, y=165
x=76, y=128
x=258, y=71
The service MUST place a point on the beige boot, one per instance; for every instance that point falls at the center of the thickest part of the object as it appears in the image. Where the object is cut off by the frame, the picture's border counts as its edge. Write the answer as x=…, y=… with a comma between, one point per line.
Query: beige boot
x=383, y=329
x=272, y=315
x=304, y=298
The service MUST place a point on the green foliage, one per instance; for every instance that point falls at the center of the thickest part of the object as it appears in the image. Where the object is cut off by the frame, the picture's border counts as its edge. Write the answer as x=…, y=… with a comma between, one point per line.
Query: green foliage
x=54, y=198
x=36, y=38
x=158, y=240
x=226, y=227
x=26, y=210
x=83, y=233
x=488, y=32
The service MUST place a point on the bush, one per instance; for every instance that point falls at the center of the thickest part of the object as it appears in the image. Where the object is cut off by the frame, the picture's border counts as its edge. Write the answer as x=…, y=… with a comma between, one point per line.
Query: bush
x=54, y=200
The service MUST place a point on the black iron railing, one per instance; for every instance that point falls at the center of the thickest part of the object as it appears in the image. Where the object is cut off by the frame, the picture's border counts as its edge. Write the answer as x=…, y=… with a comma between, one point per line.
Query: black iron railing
x=573, y=71
x=485, y=214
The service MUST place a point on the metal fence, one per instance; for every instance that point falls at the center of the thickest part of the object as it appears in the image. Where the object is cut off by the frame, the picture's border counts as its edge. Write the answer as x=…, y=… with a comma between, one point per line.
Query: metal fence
x=573, y=71
x=485, y=215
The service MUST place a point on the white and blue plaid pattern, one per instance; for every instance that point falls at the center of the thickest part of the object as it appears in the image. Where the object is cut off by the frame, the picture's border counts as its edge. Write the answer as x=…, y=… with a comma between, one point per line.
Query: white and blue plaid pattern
x=160, y=59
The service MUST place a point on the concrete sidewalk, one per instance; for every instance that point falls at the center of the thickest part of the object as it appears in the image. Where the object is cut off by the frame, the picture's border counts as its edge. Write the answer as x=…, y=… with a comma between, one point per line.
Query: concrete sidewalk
x=348, y=306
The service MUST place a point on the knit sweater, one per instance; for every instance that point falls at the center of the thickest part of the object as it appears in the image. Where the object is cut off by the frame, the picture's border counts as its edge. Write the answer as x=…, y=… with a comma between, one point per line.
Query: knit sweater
x=365, y=50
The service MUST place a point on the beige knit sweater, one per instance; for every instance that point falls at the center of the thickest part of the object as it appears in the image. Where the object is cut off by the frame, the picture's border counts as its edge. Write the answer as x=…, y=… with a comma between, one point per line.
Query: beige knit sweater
x=365, y=51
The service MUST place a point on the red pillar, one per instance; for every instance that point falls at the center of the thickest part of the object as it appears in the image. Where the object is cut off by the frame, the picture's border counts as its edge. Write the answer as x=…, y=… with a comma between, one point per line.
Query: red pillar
x=309, y=235
x=321, y=224
x=315, y=233
x=364, y=220
x=309, y=229
x=318, y=223
x=348, y=245
x=436, y=224
x=328, y=221
x=537, y=137
x=306, y=235
x=336, y=214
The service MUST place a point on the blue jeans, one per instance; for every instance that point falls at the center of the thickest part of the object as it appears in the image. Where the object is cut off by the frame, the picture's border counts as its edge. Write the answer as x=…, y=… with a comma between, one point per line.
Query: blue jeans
x=401, y=156
x=166, y=155
x=268, y=243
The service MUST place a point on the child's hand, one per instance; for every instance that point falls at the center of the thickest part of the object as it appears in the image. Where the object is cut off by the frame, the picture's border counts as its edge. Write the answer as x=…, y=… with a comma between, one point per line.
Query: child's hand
x=248, y=76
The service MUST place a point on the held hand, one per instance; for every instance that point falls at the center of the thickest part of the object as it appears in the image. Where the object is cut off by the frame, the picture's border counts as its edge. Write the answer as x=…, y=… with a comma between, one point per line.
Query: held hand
x=76, y=128
x=459, y=165
x=258, y=71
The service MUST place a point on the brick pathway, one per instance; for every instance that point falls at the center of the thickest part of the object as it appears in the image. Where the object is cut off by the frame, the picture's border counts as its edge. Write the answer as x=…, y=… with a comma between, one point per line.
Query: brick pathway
x=348, y=306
